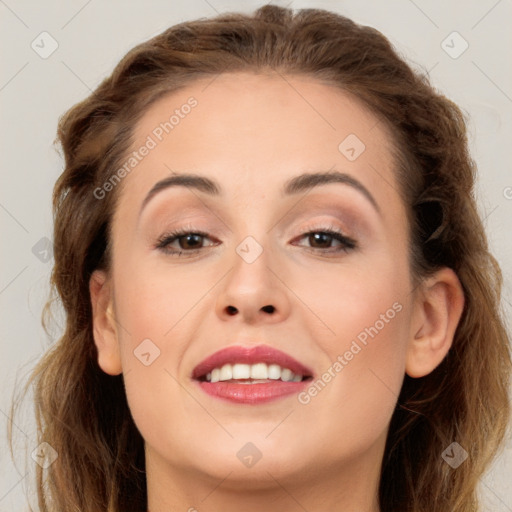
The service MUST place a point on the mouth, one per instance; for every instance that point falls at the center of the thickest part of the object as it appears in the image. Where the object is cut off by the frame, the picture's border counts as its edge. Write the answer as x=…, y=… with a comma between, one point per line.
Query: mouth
x=251, y=375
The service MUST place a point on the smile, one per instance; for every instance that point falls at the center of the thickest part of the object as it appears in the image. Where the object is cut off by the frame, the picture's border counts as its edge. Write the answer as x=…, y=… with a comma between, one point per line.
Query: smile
x=251, y=375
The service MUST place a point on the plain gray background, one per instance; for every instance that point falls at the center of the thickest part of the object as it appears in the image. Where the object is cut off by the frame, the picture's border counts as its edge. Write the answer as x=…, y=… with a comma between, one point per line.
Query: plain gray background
x=35, y=89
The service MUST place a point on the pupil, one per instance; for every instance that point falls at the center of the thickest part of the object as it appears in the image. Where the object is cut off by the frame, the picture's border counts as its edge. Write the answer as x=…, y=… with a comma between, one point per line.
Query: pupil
x=187, y=238
x=323, y=238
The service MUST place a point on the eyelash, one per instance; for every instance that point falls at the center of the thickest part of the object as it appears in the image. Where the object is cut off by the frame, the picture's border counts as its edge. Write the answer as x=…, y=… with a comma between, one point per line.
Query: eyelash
x=165, y=240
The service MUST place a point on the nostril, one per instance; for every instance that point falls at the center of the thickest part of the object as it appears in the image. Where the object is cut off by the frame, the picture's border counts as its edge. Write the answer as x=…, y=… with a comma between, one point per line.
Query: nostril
x=268, y=309
x=231, y=310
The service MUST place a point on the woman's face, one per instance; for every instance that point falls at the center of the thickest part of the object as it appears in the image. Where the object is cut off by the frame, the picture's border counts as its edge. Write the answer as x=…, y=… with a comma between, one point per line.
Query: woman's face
x=265, y=273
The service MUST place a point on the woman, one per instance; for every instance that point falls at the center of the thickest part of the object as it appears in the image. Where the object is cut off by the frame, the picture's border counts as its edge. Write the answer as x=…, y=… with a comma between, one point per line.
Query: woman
x=278, y=290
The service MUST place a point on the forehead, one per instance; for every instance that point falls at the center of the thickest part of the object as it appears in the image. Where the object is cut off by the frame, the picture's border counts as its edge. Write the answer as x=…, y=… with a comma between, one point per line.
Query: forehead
x=252, y=132
x=269, y=109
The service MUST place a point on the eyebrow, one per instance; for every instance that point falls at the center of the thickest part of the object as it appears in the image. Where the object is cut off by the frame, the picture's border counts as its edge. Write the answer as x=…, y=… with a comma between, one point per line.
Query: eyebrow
x=306, y=181
x=297, y=184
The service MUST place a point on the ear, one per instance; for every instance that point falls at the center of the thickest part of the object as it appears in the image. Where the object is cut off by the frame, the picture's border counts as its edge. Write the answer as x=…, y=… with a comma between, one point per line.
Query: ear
x=104, y=326
x=437, y=311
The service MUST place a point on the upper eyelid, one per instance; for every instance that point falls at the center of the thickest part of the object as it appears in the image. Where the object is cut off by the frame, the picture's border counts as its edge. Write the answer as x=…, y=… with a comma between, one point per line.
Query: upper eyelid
x=329, y=221
x=318, y=225
x=314, y=205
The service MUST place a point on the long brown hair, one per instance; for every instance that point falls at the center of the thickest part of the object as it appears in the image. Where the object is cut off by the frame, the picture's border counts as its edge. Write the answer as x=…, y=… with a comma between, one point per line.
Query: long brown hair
x=83, y=413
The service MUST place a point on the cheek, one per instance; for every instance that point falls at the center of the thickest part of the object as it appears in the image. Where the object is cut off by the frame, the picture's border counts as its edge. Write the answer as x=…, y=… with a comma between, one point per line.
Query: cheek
x=364, y=301
x=157, y=310
x=152, y=301
x=353, y=400
x=367, y=313
x=150, y=310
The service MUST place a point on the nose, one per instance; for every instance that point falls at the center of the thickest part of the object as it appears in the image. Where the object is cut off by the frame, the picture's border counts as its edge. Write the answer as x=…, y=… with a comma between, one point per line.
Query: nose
x=254, y=293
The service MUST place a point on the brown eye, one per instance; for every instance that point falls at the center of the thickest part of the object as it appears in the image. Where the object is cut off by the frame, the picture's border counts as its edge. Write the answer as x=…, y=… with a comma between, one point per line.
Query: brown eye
x=190, y=241
x=322, y=240
x=182, y=241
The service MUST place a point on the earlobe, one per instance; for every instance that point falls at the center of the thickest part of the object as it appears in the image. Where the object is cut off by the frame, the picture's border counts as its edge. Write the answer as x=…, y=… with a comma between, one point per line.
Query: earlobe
x=437, y=311
x=103, y=321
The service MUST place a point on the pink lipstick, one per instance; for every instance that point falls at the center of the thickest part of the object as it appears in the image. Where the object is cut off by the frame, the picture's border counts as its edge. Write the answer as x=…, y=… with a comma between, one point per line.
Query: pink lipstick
x=251, y=375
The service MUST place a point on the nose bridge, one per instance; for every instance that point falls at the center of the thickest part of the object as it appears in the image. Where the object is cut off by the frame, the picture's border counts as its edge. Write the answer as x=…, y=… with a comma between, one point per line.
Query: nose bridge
x=251, y=289
x=251, y=264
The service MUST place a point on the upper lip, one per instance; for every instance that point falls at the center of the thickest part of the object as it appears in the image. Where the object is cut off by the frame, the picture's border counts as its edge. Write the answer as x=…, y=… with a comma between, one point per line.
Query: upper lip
x=250, y=355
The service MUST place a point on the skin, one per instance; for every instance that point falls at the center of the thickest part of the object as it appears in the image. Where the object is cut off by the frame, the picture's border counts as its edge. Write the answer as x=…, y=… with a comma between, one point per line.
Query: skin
x=251, y=133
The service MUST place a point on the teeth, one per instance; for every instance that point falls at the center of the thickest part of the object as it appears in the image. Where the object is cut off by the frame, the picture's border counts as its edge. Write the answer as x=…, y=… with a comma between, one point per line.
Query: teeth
x=226, y=372
x=274, y=372
x=241, y=371
x=286, y=375
x=257, y=372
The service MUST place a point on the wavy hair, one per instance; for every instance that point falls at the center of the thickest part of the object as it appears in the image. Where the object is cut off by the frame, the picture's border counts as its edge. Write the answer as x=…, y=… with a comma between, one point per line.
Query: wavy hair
x=83, y=412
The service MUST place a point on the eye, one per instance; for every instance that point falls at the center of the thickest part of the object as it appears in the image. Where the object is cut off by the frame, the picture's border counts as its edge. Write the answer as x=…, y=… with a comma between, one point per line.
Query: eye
x=188, y=240
x=184, y=240
x=321, y=239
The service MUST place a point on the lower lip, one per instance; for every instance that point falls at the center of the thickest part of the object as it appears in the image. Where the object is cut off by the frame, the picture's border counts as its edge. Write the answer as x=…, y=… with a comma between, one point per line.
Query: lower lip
x=252, y=393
